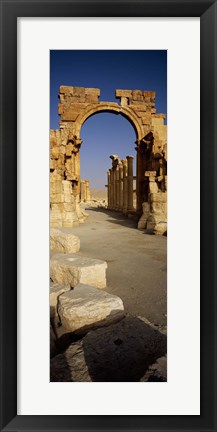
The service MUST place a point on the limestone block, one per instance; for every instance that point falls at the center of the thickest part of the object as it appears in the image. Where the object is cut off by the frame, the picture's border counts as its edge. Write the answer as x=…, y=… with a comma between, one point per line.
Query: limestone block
x=150, y=173
x=57, y=198
x=160, y=228
x=139, y=107
x=55, y=291
x=69, y=198
x=125, y=93
x=54, y=153
x=58, y=207
x=53, y=164
x=53, y=347
x=92, y=91
x=153, y=187
x=73, y=269
x=143, y=220
x=121, y=352
x=85, y=308
x=66, y=187
x=55, y=187
x=156, y=208
x=64, y=242
x=158, y=197
x=55, y=176
x=70, y=216
x=91, y=98
x=79, y=91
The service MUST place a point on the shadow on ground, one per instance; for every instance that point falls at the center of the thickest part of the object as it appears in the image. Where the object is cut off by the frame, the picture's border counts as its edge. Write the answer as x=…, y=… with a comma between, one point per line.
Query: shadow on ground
x=119, y=218
x=121, y=352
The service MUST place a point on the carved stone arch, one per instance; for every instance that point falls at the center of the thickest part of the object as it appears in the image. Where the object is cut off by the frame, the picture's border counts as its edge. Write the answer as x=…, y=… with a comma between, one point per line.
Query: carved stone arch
x=112, y=108
x=77, y=104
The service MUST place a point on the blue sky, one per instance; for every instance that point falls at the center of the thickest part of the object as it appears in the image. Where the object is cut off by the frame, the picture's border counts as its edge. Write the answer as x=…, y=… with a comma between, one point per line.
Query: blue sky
x=105, y=133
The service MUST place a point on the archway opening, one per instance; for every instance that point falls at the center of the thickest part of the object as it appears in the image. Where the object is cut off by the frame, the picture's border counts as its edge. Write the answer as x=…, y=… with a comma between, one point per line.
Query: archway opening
x=104, y=134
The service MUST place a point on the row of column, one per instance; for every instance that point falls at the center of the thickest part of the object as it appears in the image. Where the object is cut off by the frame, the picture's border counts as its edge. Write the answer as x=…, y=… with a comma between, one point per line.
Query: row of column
x=120, y=186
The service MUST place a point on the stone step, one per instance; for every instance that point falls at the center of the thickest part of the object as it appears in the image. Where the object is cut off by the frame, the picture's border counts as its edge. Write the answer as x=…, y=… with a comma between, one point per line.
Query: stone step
x=85, y=308
x=73, y=269
x=63, y=242
x=55, y=291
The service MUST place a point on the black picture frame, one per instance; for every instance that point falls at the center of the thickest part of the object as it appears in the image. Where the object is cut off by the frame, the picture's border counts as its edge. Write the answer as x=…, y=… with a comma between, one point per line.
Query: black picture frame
x=10, y=11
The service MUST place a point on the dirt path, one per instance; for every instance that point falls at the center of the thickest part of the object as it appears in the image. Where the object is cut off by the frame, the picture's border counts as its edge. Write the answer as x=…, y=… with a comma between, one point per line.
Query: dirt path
x=136, y=261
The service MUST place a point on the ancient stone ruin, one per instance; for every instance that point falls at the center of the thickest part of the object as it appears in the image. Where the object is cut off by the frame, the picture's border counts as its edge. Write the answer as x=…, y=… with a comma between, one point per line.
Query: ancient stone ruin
x=76, y=105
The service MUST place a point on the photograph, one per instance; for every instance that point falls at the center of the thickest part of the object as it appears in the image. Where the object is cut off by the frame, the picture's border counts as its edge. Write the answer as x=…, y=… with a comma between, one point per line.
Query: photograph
x=108, y=216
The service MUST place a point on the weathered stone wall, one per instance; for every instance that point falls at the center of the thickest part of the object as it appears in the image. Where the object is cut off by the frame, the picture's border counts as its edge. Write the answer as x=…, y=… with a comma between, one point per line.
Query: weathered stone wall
x=64, y=182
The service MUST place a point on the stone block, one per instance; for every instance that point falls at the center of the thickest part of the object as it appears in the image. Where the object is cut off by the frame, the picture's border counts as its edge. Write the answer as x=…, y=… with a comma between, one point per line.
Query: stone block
x=54, y=153
x=120, y=352
x=160, y=228
x=68, y=114
x=150, y=173
x=68, y=90
x=56, y=198
x=79, y=91
x=86, y=307
x=66, y=187
x=64, y=242
x=124, y=93
x=143, y=219
x=53, y=346
x=92, y=91
x=70, y=216
x=69, y=198
x=153, y=187
x=55, y=291
x=91, y=98
x=73, y=269
x=55, y=187
x=158, y=197
x=156, y=208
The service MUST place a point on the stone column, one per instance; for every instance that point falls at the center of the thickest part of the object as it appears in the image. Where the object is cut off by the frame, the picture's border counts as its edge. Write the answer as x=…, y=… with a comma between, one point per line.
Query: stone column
x=82, y=190
x=108, y=188
x=121, y=187
x=130, y=184
x=139, y=178
x=117, y=188
x=88, y=190
x=111, y=188
x=124, y=163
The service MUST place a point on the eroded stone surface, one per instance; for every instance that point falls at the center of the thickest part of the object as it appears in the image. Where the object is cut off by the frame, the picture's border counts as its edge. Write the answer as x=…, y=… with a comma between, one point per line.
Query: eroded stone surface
x=120, y=352
x=53, y=347
x=73, y=269
x=63, y=242
x=86, y=307
x=55, y=291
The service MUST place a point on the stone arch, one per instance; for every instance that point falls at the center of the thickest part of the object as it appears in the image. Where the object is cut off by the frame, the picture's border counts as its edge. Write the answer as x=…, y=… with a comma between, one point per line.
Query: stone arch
x=112, y=108
x=77, y=104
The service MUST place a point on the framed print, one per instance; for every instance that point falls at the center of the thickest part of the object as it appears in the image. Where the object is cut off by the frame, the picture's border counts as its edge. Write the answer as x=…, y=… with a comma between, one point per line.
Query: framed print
x=33, y=32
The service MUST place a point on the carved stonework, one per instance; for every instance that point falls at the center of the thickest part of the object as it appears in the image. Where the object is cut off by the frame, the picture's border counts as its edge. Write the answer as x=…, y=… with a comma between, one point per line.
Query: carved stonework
x=79, y=103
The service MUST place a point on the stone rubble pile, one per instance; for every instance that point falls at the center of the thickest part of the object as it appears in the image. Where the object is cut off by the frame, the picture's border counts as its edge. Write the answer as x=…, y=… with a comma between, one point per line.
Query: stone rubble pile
x=77, y=302
x=91, y=338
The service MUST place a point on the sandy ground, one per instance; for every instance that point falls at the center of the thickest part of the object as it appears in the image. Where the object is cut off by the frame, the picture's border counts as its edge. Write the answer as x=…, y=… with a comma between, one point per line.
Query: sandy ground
x=136, y=262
